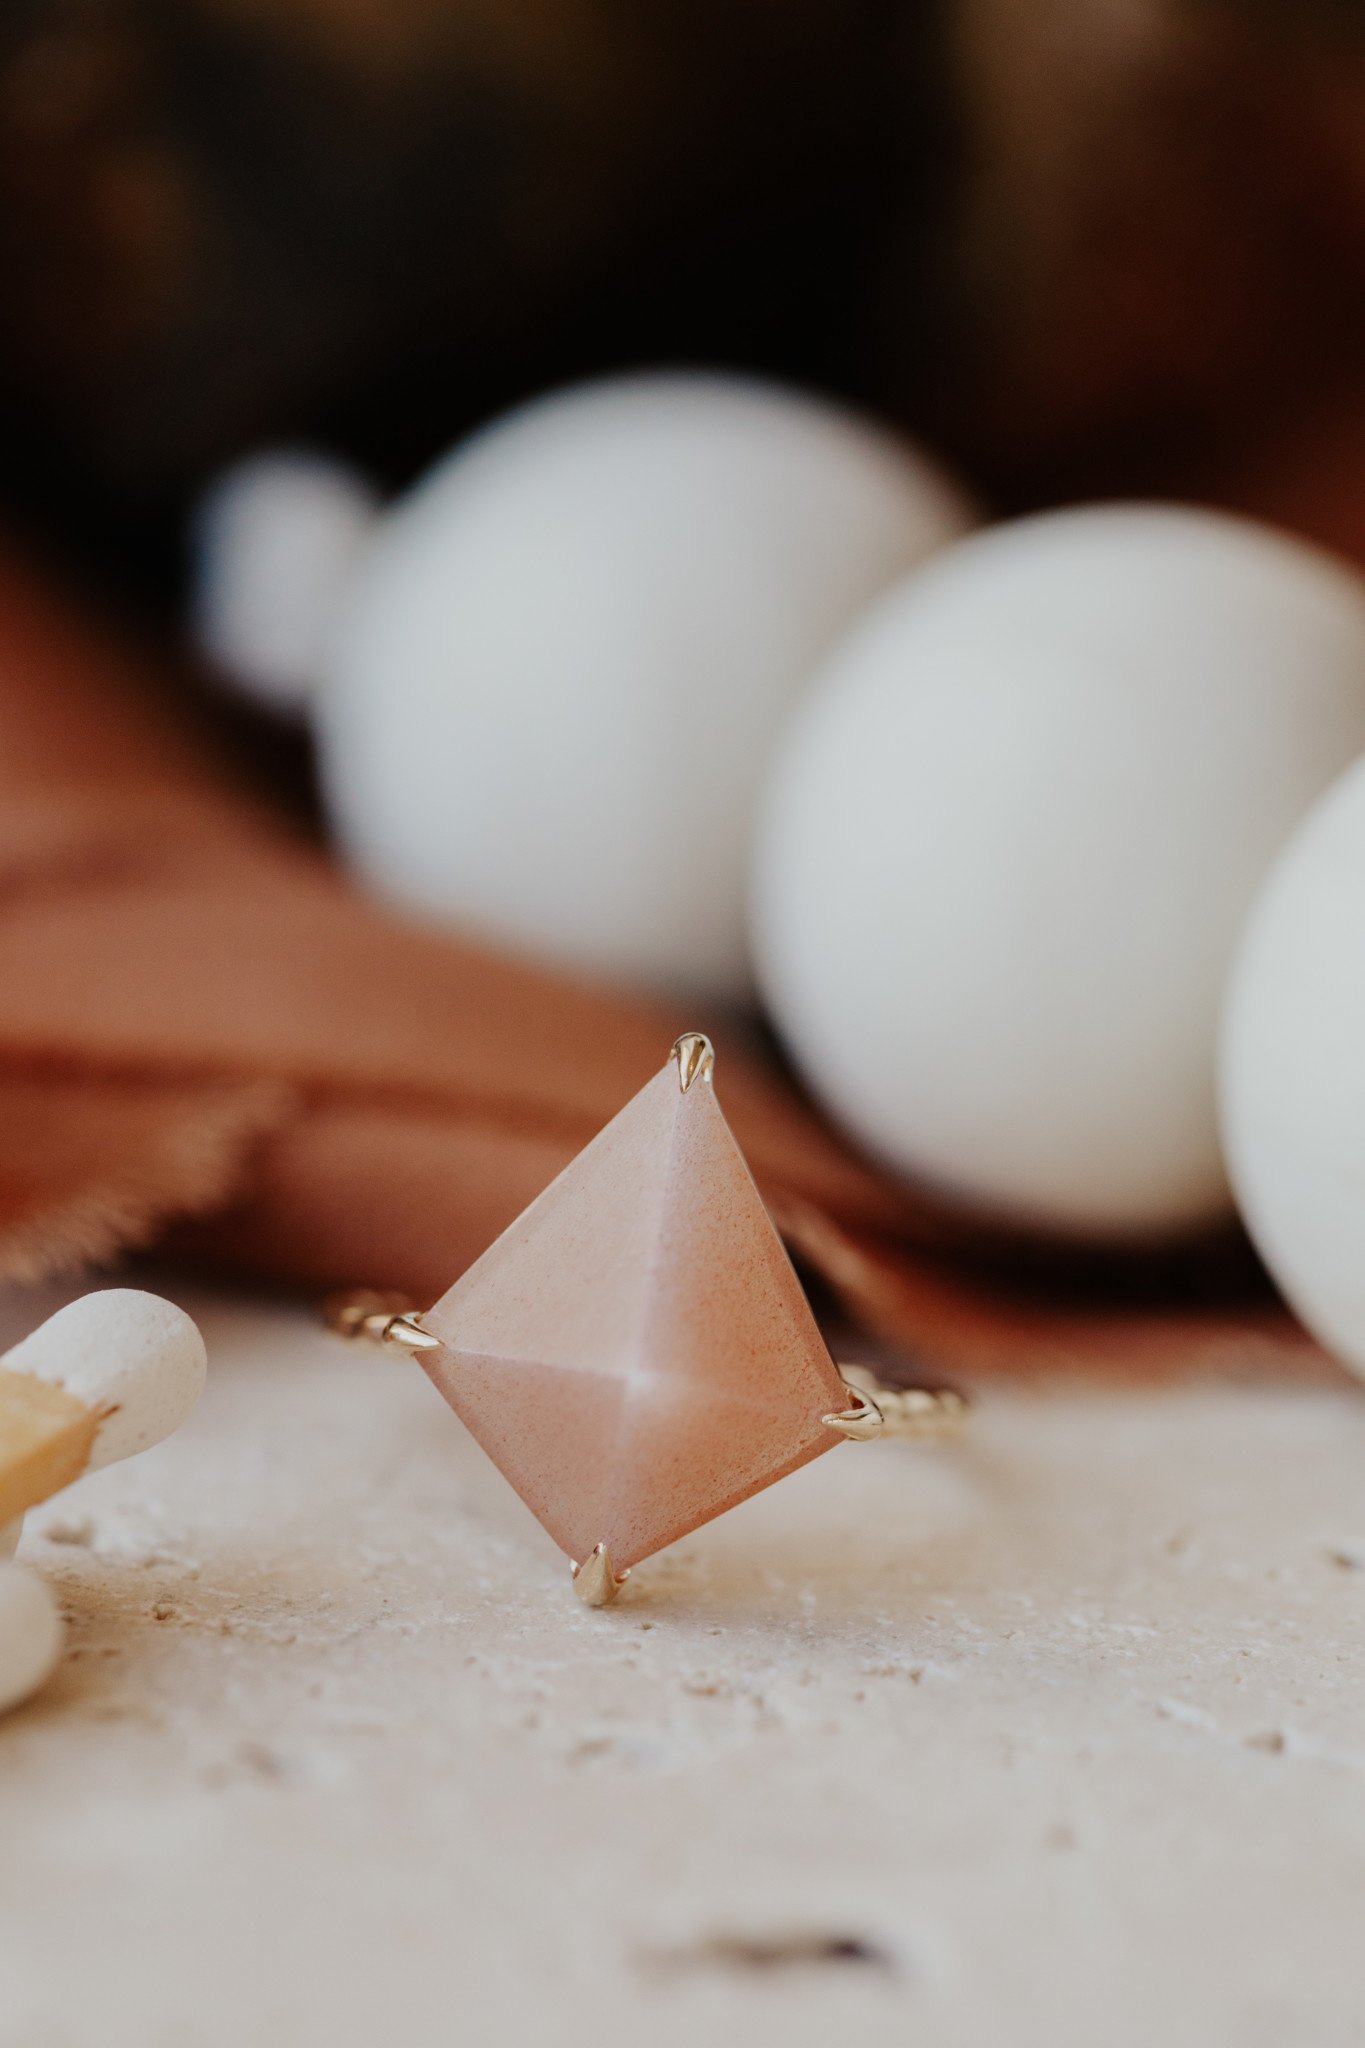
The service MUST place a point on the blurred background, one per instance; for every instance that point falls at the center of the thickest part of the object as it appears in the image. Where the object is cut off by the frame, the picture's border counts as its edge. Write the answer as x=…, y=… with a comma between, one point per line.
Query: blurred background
x=1083, y=249
x=1091, y=246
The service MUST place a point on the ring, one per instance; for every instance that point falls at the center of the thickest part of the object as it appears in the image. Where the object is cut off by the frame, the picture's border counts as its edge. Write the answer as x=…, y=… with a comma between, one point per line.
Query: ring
x=635, y=1353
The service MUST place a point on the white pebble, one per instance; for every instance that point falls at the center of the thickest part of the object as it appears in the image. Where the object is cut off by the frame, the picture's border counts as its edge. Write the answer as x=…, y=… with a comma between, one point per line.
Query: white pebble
x=133, y=1354
x=276, y=540
x=1013, y=833
x=569, y=652
x=1293, y=1070
x=30, y=1634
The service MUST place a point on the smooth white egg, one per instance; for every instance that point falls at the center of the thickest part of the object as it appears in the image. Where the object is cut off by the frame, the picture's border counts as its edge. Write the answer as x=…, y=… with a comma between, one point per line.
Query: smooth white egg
x=1292, y=1070
x=1011, y=837
x=567, y=655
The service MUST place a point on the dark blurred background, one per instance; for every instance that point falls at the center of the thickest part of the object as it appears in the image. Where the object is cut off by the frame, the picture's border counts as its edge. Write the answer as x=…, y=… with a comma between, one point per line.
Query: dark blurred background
x=1084, y=246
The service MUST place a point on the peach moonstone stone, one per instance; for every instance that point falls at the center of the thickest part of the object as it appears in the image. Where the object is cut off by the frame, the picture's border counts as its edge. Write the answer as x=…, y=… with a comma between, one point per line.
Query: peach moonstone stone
x=635, y=1353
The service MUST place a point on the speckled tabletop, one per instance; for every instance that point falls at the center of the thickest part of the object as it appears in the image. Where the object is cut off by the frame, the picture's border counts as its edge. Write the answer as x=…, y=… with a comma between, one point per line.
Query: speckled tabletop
x=1057, y=1737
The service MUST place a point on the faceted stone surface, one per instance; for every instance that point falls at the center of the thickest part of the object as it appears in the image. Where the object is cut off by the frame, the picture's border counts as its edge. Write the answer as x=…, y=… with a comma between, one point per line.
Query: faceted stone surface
x=635, y=1353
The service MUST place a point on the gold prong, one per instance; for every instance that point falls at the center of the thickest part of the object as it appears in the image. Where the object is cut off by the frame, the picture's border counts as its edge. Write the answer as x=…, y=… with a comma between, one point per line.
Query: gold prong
x=695, y=1055
x=368, y=1316
x=362, y=1314
x=405, y=1333
x=923, y=1414
x=861, y=1424
x=597, y=1581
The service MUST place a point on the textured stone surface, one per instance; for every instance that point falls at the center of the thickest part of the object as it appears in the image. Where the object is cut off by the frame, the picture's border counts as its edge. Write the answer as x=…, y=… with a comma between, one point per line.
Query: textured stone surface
x=636, y=1354
x=1054, y=1740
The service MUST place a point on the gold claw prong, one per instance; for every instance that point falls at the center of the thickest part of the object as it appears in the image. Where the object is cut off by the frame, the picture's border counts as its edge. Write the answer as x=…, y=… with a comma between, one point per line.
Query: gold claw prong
x=861, y=1424
x=369, y=1316
x=362, y=1314
x=923, y=1414
x=405, y=1333
x=695, y=1055
x=597, y=1581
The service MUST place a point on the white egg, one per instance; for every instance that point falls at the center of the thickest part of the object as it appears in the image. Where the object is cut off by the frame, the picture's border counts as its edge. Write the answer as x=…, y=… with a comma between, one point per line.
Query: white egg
x=276, y=540
x=30, y=1634
x=1292, y=1070
x=1011, y=838
x=567, y=655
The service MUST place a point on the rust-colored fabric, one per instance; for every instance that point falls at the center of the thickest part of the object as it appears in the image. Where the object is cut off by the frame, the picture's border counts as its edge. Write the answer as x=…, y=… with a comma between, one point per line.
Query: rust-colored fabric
x=211, y=1043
